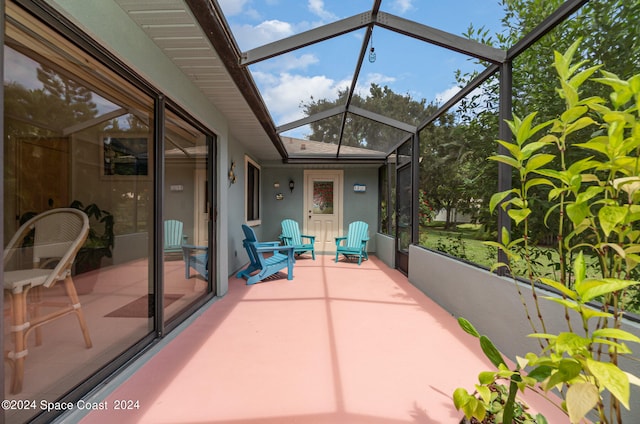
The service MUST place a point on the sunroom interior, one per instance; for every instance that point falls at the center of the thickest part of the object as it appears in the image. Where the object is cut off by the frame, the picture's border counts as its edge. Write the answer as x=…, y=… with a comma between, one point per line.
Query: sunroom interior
x=91, y=123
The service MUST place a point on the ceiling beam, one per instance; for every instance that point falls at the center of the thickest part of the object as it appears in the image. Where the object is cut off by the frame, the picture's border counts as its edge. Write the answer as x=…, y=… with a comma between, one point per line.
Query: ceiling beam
x=354, y=81
x=440, y=38
x=563, y=12
x=310, y=119
x=95, y=121
x=467, y=89
x=382, y=119
x=305, y=39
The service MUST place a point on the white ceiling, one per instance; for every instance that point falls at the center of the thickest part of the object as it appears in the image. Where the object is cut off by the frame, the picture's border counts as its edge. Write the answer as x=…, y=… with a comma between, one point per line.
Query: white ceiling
x=174, y=29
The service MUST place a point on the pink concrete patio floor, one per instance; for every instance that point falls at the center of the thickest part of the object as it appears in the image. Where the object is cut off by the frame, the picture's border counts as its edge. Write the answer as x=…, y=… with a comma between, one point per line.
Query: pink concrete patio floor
x=341, y=343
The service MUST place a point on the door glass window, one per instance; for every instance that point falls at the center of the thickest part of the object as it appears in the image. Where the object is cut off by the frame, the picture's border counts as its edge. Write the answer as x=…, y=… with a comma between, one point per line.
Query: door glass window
x=323, y=197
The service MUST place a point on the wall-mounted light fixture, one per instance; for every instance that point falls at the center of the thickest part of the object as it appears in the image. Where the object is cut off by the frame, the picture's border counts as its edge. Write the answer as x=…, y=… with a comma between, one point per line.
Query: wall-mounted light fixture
x=232, y=174
x=291, y=185
x=276, y=185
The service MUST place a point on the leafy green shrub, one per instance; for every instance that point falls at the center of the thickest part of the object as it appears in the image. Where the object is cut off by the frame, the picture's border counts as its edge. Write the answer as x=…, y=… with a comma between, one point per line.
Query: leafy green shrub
x=595, y=198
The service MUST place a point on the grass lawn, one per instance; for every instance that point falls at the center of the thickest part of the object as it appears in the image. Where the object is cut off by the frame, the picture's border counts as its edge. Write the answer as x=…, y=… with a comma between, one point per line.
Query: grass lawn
x=466, y=242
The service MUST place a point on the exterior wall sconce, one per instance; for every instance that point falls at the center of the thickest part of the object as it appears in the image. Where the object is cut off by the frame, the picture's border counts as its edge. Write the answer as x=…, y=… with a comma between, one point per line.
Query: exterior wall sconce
x=291, y=185
x=232, y=174
x=276, y=185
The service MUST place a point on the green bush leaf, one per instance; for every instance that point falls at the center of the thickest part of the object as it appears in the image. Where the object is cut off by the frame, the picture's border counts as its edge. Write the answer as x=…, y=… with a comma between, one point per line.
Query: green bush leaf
x=497, y=198
x=579, y=124
x=577, y=212
x=612, y=378
x=506, y=160
x=491, y=351
x=560, y=287
x=595, y=288
x=581, y=398
x=573, y=113
x=460, y=398
x=610, y=217
x=468, y=327
x=616, y=333
x=519, y=215
x=486, y=377
x=538, y=161
x=540, y=373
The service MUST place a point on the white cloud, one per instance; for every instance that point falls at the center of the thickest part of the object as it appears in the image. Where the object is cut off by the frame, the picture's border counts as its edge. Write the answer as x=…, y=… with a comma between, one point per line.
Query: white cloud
x=232, y=7
x=289, y=62
x=249, y=36
x=317, y=8
x=284, y=93
x=402, y=6
x=373, y=78
x=447, y=94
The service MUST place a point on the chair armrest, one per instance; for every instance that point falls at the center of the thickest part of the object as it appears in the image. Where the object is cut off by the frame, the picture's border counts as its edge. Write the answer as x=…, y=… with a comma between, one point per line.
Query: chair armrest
x=339, y=239
x=311, y=238
x=188, y=248
x=267, y=243
x=273, y=248
x=284, y=239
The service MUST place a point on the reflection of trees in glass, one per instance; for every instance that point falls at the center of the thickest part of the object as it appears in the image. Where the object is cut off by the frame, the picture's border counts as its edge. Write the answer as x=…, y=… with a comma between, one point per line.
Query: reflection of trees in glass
x=125, y=155
x=60, y=103
x=323, y=197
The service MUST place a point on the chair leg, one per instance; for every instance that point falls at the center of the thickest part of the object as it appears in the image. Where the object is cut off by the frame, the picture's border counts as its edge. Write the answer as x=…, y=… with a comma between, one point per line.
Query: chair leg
x=36, y=300
x=18, y=326
x=75, y=302
x=290, y=270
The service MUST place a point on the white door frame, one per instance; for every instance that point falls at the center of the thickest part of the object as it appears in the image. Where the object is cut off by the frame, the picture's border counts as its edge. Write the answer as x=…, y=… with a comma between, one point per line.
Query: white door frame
x=200, y=218
x=336, y=175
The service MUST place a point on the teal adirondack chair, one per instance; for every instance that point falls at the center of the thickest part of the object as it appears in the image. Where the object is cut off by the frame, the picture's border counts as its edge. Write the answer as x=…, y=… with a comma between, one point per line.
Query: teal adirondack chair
x=265, y=259
x=196, y=257
x=174, y=236
x=355, y=242
x=291, y=237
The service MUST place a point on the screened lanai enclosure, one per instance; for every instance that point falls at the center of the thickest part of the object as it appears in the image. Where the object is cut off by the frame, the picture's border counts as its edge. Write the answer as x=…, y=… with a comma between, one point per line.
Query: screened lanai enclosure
x=491, y=147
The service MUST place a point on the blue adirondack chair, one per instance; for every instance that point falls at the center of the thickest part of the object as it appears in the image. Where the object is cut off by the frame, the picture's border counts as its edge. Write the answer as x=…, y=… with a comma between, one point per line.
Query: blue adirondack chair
x=174, y=236
x=291, y=237
x=196, y=257
x=355, y=242
x=265, y=259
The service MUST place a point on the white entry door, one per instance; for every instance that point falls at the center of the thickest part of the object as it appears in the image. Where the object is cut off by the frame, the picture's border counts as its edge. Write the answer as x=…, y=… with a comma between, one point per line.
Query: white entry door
x=323, y=207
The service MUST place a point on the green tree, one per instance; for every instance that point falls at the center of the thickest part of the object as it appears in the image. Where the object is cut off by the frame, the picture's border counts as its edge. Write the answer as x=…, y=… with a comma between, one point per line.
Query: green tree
x=609, y=31
x=362, y=132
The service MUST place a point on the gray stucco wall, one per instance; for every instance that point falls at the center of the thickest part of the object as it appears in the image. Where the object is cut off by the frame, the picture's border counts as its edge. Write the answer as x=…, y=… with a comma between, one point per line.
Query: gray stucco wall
x=234, y=203
x=492, y=304
x=357, y=206
x=274, y=211
x=385, y=249
x=362, y=206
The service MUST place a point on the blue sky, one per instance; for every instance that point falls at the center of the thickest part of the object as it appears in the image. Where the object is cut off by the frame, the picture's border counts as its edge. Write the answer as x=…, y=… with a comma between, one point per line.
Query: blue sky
x=406, y=65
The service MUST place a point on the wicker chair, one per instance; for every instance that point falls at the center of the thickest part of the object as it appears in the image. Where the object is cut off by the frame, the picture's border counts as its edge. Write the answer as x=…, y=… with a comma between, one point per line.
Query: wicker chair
x=51, y=240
